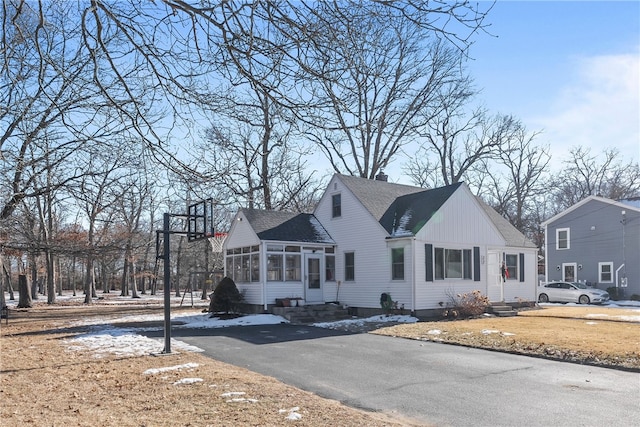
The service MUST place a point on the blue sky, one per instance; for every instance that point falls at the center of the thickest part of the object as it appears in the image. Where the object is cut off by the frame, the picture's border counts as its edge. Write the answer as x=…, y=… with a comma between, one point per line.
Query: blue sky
x=567, y=68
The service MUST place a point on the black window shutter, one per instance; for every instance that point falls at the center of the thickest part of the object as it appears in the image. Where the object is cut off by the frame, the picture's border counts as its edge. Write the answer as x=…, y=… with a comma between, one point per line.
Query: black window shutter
x=476, y=264
x=428, y=259
x=522, y=267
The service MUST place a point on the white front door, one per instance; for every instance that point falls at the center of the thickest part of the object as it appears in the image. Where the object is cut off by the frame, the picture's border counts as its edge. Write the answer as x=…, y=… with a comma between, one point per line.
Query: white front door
x=313, y=279
x=495, y=290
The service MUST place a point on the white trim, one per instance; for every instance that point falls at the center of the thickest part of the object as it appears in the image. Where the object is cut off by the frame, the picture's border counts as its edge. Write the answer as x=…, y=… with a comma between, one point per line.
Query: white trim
x=585, y=201
x=600, y=265
x=575, y=271
x=558, y=230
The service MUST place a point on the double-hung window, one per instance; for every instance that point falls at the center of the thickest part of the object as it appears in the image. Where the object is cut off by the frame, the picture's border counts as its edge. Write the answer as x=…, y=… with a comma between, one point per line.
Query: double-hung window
x=349, y=266
x=605, y=272
x=397, y=264
x=336, y=205
x=563, y=238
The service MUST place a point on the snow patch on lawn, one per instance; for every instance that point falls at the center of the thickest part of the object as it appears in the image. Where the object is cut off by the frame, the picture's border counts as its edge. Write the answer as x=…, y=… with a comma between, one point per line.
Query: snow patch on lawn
x=362, y=322
x=293, y=414
x=170, y=368
x=621, y=317
x=188, y=381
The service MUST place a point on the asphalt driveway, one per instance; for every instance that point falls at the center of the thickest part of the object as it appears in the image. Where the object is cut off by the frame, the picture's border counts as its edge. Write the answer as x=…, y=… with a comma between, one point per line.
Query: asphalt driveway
x=434, y=384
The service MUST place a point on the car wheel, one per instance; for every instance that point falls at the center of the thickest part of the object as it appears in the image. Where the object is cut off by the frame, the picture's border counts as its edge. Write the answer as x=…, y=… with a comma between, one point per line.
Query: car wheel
x=543, y=298
x=584, y=299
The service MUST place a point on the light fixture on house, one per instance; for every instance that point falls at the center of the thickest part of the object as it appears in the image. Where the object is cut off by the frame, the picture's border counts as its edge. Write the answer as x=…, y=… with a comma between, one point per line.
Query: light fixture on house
x=558, y=267
x=579, y=266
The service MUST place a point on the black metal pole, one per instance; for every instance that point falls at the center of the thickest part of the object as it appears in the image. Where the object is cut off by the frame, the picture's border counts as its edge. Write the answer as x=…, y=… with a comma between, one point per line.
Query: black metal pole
x=167, y=285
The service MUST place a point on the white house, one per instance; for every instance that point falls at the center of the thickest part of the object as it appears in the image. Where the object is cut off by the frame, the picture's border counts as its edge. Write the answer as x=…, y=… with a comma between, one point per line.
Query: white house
x=368, y=237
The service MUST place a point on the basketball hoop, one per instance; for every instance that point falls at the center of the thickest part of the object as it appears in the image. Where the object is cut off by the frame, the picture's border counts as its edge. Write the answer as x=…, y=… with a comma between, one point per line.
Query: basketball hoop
x=217, y=240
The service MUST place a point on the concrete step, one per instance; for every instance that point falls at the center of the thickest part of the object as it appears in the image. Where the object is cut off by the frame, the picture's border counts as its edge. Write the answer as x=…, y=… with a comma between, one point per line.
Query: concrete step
x=502, y=310
x=312, y=313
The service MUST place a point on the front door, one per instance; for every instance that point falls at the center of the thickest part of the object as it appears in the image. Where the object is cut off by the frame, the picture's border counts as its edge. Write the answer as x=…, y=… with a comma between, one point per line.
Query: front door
x=495, y=290
x=313, y=279
x=569, y=272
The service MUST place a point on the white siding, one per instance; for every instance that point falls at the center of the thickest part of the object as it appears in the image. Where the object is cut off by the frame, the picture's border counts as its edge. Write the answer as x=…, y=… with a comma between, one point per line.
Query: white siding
x=357, y=231
x=252, y=292
x=461, y=220
x=241, y=234
x=514, y=290
x=459, y=224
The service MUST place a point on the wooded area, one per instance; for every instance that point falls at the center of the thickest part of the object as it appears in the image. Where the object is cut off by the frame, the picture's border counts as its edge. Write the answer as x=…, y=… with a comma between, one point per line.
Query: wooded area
x=113, y=113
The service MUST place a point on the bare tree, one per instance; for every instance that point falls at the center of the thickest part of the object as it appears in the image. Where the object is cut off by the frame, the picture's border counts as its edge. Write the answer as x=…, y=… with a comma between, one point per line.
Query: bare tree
x=372, y=85
x=458, y=141
x=584, y=174
x=515, y=183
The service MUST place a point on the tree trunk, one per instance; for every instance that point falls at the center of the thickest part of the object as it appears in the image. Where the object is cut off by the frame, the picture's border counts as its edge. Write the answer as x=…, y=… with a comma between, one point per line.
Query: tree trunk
x=3, y=303
x=88, y=281
x=7, y=275
x=34, y=277
x=51, y=279
x=124, y=282
x=24, y=300
x=134, y=283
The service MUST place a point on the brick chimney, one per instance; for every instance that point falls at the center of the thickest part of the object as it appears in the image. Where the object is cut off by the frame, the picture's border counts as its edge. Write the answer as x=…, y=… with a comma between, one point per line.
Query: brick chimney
x=382, y=177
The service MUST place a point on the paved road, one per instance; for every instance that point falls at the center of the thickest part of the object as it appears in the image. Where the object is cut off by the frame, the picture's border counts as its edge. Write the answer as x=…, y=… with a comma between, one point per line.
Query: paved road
x=432, y=383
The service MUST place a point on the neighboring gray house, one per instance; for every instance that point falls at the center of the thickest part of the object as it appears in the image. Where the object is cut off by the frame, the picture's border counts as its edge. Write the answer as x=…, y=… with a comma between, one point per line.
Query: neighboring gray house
x=366, y=237
x=596, y=241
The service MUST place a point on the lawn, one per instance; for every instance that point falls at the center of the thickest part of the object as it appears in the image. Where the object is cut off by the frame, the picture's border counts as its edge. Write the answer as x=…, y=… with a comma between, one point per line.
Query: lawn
x=593, y=335
x=44, y=382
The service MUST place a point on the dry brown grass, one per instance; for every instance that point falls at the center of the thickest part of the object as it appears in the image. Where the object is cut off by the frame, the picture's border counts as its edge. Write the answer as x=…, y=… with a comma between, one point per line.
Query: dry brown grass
x=590, y=335
x=44, y=384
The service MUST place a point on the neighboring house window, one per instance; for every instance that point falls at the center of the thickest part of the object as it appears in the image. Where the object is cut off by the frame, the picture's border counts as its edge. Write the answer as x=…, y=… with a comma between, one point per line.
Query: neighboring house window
x=562, y=238
x=336, y=205
x=605, y=272
x=452, y=264
x=511, y=264
x=397, y=264
x=349, y=267
x=329, y=265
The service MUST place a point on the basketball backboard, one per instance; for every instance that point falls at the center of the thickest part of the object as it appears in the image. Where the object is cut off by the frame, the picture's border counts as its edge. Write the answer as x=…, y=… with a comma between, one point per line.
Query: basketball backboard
x=200, y=220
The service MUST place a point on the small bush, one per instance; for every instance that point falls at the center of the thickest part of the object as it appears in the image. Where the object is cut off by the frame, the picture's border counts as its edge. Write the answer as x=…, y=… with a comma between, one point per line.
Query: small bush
x=225, y=297
x=613, y=293
x=635, y=297
x=467, y=305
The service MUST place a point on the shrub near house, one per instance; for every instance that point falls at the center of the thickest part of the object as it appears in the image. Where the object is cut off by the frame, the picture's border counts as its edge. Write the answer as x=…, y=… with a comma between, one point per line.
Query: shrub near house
x=226, y=297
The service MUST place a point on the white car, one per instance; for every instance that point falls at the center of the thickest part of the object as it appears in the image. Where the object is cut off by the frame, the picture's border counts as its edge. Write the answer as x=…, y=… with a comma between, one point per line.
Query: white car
x=571, y=292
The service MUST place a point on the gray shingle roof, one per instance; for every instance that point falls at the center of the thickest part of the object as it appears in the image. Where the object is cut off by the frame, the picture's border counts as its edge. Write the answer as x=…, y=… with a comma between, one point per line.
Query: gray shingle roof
x=404, y=209
x=512, y=236
x=376, y=196
x=286, y=226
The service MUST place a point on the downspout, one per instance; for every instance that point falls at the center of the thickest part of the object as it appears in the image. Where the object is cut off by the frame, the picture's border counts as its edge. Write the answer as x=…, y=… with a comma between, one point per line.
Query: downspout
x=413, y=275
x=263, y=274
x=546, y=257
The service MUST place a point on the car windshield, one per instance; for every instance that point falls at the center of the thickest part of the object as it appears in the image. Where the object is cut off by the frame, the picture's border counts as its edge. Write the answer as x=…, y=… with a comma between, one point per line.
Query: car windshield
x=579, y=285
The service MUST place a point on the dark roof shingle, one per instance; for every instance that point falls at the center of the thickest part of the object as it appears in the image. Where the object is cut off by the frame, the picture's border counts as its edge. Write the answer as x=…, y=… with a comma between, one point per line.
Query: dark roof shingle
x=286, y=226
